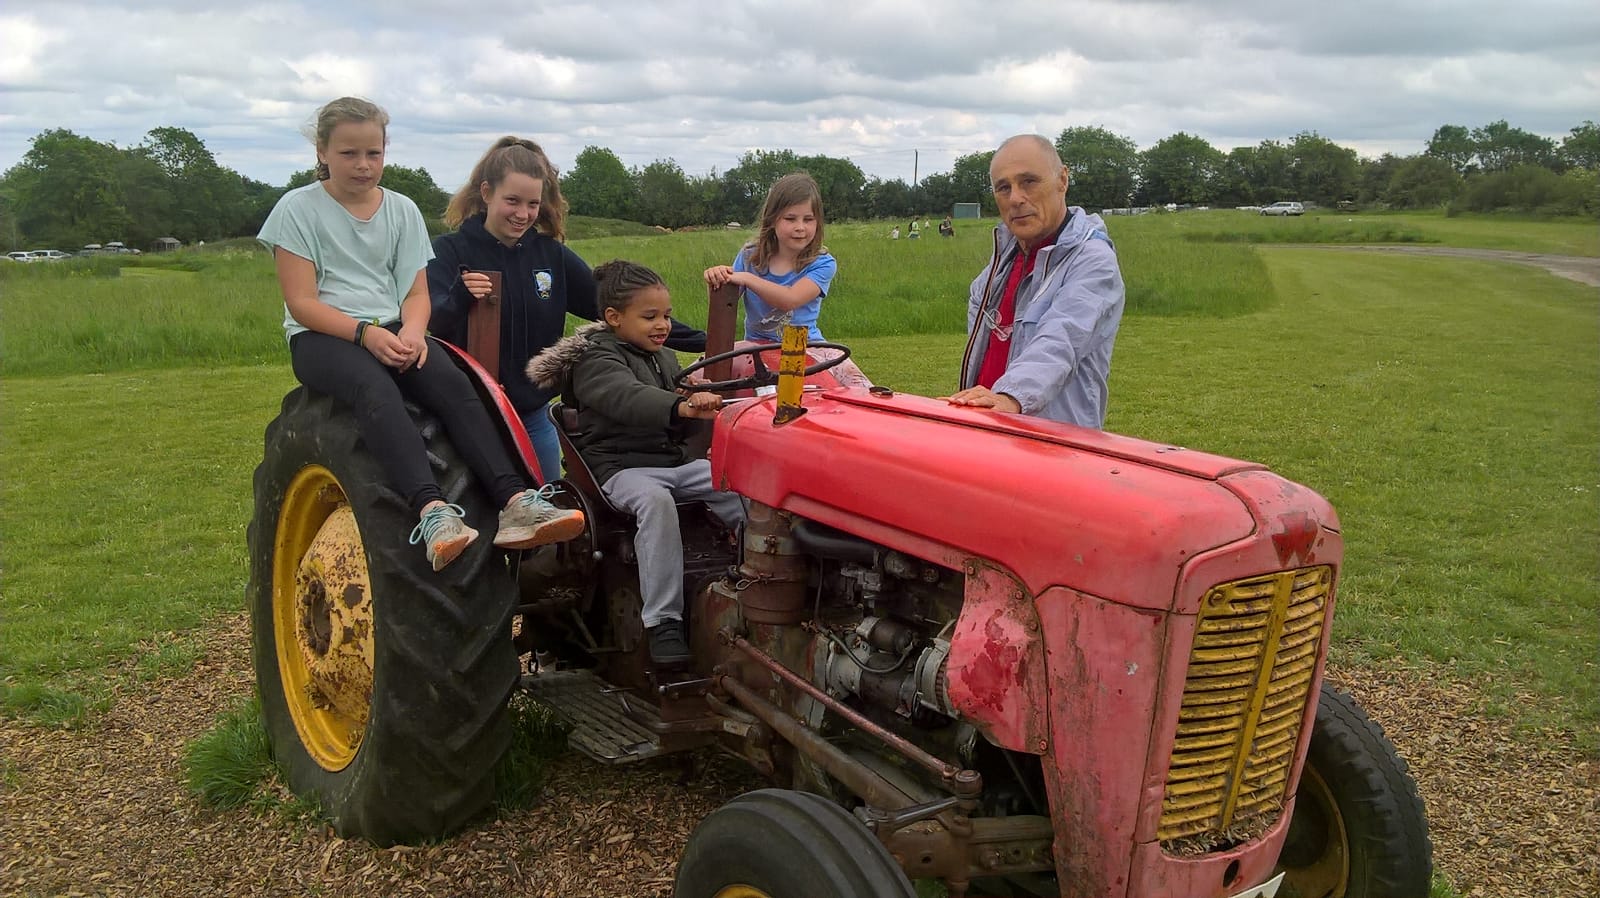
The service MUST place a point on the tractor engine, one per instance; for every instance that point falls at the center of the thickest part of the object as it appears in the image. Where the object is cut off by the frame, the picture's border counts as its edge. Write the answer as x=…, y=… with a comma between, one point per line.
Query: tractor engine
x=882, y=632
x=870, y=627
x=875, y=662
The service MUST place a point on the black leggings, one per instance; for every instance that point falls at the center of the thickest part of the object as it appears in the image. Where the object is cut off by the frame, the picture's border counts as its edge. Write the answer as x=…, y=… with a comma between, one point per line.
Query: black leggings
x=375, y=394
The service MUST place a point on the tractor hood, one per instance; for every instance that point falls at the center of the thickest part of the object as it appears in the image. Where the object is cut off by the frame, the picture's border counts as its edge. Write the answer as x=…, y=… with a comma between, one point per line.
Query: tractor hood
x=1055, y=504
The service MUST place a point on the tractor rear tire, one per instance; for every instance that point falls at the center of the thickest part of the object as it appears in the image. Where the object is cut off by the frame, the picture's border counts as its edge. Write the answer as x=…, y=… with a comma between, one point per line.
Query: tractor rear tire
x=415, y=759
x=1359, y=827
x=775, y=843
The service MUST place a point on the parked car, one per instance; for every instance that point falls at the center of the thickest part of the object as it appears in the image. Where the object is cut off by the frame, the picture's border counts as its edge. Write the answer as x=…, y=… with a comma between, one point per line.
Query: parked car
x=117, y=246
x=1283, y=209
x=90, y=249
x=49, y=255
x=20, y=256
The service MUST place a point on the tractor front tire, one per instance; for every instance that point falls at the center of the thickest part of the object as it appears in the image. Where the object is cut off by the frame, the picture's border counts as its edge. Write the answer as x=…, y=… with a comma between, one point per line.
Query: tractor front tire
x=383, y=684
x=1359, y=828
x=776, y=843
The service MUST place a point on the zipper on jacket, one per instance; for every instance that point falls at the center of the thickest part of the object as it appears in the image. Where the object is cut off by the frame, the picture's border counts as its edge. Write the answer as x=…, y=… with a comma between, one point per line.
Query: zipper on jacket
x=983, y=305
x=661, y=376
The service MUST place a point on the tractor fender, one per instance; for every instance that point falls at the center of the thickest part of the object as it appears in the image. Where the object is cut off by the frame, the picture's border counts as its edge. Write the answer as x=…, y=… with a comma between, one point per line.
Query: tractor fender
x=508, y=424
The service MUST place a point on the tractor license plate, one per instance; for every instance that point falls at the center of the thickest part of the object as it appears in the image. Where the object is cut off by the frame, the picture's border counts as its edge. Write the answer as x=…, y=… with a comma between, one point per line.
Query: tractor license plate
x=1267, y=889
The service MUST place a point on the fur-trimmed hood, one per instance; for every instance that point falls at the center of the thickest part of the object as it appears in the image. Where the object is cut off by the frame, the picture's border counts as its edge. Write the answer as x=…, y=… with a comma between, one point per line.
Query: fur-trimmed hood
x=623, y=397
x=550, y=368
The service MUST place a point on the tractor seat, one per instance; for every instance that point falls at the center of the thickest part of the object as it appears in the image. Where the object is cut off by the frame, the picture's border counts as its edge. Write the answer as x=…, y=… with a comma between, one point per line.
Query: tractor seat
x=582, y=477
x=613, y=528
x=578, y=472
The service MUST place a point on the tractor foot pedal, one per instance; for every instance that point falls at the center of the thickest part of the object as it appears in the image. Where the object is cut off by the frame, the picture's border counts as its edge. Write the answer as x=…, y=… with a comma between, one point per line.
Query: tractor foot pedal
x=605, y=727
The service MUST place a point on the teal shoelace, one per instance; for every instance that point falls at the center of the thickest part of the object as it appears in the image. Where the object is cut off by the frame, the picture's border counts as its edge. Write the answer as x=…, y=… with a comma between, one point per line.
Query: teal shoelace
x=434, y=520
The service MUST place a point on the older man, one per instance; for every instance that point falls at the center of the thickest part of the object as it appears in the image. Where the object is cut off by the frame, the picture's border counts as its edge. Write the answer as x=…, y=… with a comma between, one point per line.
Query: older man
x=1043, y=315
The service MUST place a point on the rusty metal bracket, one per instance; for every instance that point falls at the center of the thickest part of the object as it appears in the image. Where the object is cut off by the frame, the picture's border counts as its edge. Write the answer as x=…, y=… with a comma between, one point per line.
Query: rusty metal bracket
x=722, y=312
x=883, y=822
x=483, y=325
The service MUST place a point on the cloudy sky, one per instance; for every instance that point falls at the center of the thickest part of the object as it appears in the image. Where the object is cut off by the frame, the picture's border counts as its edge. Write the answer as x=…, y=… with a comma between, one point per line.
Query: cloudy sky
x=900, y=87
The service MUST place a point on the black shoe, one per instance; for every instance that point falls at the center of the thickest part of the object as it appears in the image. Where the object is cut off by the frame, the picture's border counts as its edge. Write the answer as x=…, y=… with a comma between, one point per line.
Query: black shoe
x=668, y=648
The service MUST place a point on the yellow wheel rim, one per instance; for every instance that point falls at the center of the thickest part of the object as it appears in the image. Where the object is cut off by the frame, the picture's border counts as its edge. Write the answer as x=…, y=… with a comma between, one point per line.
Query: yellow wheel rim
x=322, y=617
x=1328, y=875
x=740, y=891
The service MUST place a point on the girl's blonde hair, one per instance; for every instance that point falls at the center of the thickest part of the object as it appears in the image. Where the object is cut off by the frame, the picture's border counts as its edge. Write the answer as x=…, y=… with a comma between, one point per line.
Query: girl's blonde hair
x=789, y=190
x=618, y=280
x=341, y=111
x=512, y=155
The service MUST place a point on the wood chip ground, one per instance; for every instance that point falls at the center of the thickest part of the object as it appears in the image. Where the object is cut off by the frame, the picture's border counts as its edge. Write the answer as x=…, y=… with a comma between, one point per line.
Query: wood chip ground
x=103, y=811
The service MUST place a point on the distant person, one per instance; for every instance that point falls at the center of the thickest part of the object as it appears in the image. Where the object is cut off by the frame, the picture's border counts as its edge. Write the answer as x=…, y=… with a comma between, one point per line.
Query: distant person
x=511, y=219
x=1043, y=315
x=911, y=231
x=350, y=258
x=895, y=234
x=946, y=228
x=619, y=377
x=785, y=272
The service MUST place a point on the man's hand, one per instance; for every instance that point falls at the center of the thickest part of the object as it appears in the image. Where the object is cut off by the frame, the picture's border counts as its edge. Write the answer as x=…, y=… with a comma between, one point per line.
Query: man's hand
x=983, y=397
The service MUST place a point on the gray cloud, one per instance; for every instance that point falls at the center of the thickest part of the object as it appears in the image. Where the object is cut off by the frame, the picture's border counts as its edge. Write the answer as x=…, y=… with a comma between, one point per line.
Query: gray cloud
x=888, y=83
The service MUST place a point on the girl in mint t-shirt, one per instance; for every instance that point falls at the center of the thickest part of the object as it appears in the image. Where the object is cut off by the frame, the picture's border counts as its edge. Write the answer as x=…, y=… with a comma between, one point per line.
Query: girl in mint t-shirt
x=350, y=258
x=784, y=273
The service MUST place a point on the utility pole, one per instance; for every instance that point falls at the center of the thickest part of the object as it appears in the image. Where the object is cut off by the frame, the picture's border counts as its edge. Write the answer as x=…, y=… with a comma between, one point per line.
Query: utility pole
x=914, y=160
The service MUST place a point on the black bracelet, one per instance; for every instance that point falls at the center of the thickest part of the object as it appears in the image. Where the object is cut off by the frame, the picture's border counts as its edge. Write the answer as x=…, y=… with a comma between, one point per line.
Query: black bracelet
x=361, y=330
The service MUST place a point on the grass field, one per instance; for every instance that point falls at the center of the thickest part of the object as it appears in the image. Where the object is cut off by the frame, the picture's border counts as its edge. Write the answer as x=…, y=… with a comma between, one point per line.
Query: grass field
x=1559, y=236
x=1446, y=407
x=220, y=306
x=1564, y=238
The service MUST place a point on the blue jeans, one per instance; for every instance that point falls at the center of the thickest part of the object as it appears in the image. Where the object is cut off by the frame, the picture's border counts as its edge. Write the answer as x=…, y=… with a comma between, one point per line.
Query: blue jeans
x=546, y=446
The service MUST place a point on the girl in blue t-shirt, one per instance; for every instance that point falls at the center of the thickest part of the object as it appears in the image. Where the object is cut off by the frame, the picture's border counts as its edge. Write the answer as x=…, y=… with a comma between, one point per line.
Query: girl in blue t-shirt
x=350, y=257
x=784, y=273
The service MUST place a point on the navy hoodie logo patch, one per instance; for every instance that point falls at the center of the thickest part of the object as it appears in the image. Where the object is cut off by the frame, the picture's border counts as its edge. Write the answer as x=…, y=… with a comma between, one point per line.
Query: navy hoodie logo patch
x=543, y=281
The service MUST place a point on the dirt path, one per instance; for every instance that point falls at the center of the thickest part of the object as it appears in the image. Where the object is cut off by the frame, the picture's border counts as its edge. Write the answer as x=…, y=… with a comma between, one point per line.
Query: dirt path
x=1583, y=269
x=103, y=811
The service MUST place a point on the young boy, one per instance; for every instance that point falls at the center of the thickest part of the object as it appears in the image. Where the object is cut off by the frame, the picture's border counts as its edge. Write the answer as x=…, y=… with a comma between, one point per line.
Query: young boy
x=619, y=377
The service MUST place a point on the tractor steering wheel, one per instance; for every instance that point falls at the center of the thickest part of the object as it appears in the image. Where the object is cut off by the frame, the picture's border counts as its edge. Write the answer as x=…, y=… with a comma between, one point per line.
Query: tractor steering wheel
x=763, y=376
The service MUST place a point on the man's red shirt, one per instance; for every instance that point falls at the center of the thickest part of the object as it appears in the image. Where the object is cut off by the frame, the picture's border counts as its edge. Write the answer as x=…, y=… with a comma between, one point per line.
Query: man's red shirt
x=998, y=355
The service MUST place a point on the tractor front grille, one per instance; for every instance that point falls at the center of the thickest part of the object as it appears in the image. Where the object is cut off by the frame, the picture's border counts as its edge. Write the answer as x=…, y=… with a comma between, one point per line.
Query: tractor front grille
x=1255, y=650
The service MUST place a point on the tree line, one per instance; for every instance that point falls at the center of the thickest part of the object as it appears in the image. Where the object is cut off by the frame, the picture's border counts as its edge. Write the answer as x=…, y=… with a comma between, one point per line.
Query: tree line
x=69, y=190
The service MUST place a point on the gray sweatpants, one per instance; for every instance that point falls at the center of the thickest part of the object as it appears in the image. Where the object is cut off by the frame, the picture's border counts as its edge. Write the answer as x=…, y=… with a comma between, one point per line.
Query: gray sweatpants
x=651, y=496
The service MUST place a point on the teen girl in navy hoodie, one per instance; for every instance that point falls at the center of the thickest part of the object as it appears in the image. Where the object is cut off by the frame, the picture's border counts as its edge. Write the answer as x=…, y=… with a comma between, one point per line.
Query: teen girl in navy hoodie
x=511, y=218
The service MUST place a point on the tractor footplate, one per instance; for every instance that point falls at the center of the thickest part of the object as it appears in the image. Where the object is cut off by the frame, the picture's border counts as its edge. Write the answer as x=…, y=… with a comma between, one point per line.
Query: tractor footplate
x=604, y=727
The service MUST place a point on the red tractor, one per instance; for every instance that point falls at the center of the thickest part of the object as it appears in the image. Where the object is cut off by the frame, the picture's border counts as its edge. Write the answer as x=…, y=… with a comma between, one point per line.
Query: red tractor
x=1017, y=657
